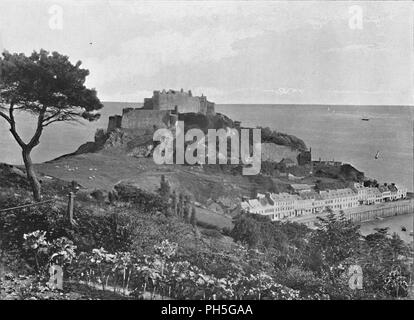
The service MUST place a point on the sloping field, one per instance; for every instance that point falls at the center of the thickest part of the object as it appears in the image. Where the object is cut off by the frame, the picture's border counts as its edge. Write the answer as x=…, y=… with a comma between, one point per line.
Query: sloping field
x=102, y=170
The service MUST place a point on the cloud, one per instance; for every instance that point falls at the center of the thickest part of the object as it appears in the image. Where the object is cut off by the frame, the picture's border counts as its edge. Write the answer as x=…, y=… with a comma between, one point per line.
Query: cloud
x=144, y=56
x=233, y=51
x=360, y=48
x=288, y=91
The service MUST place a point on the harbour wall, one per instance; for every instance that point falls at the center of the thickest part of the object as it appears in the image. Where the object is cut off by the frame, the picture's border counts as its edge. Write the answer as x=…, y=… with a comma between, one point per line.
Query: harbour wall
x=366, y=213
x=389, y=211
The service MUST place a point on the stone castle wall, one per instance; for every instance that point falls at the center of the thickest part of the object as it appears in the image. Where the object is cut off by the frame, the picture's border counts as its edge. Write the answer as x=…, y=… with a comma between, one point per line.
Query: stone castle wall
x=276, y=153
x=161, y=111
x=168, y=100
x=114, y=122
x=145, y=119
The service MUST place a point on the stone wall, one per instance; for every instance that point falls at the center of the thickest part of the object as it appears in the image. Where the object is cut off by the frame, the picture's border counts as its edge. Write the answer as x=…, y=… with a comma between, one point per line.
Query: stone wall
x=305, y=157
x=114, y=122
x=168, y=100
x=161, y=111
x=276, y=153
x=145, y=119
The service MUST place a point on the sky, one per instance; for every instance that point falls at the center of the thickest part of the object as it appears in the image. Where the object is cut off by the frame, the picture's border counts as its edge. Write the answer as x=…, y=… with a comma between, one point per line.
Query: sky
x=231, y=51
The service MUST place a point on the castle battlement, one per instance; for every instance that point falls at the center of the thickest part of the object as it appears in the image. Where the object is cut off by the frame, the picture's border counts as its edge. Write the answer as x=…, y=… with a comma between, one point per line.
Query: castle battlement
x=184, y=100
x=161, y=110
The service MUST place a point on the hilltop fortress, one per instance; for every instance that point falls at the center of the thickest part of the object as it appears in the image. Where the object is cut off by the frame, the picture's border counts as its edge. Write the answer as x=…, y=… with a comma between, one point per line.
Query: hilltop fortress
x=161, y=110
x=165, y=108
x=168, y=100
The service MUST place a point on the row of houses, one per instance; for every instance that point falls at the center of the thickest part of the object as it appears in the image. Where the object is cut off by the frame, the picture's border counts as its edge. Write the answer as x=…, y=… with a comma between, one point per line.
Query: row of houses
x=286, y=205
x=384, y=193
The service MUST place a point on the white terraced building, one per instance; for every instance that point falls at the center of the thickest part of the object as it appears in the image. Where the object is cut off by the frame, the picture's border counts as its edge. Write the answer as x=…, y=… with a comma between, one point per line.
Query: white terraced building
x=340, y=199
x=401, y=192
x=371, y=195
x=279, y=206
x=276, y=205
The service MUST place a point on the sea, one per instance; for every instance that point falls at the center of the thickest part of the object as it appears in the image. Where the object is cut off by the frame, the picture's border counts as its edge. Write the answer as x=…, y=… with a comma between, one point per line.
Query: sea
x=333, y=132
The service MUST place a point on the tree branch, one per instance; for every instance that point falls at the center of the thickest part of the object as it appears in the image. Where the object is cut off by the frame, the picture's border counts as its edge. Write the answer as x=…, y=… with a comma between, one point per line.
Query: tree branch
x=63, y=116
x=5, y=117
x=51, y=117
x=35, y=139
x=13, y=127
x=55, y=120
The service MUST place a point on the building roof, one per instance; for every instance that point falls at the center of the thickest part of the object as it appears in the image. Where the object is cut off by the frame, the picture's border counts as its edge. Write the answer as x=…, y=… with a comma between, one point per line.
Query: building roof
x=283, y=197
x=392, y=188
x=338, y=193
x=310, y=195
x=383, y=189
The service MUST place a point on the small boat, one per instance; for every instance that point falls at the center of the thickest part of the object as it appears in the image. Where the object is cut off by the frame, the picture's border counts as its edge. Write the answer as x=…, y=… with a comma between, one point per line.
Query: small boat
x=377, y=155
x=403, y=228
x=365, y=119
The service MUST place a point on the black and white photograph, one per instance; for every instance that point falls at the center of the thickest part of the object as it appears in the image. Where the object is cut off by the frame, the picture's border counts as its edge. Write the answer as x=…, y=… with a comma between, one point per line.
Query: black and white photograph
x=219, y=151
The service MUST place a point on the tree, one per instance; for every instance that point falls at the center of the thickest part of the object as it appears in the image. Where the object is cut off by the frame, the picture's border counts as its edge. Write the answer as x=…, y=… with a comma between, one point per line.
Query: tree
x=174, y=203
x=186, y=209
x=386, y=264
x=193, y=218
x=335, y=240
x=180, y=205
x=246, y=230
x=49, y=87
x=164, y=188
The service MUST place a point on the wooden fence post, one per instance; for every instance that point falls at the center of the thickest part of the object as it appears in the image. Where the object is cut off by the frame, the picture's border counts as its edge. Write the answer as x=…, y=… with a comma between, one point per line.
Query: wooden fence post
x=70, y=208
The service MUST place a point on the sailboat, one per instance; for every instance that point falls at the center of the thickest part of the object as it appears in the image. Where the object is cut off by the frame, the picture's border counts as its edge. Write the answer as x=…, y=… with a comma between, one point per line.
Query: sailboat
x=377, y=155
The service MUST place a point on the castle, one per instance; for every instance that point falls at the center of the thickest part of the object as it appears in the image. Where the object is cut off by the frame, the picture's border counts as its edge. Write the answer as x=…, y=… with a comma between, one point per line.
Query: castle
x=161, y=110
x=168, y=100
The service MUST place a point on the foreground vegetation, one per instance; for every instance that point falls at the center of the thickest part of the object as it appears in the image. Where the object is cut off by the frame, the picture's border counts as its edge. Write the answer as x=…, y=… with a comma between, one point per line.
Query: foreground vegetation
x=145, y=245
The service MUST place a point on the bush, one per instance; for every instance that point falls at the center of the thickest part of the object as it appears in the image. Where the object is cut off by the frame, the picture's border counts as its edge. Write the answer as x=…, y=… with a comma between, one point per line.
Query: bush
x=140, y=199
x=212, y=233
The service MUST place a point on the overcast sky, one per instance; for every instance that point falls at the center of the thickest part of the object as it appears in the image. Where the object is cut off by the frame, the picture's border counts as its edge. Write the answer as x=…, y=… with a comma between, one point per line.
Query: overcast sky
x=233, y=52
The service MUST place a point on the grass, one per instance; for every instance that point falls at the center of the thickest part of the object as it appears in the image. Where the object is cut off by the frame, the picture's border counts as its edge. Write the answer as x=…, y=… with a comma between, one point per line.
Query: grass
x=104, y=169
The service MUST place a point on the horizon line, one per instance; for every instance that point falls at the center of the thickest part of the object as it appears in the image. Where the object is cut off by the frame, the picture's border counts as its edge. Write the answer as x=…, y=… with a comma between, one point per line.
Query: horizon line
x=290, y=104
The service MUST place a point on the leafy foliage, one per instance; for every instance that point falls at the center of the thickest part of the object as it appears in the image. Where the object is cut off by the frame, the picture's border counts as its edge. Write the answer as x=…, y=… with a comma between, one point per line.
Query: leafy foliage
x=317, y=261
x=49, y=87
x=269, y=135
x=125, y=249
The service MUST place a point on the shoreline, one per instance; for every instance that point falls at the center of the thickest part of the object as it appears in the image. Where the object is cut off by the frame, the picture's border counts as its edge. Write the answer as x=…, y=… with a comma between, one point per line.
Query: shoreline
x=394, y=224
x=369, y=211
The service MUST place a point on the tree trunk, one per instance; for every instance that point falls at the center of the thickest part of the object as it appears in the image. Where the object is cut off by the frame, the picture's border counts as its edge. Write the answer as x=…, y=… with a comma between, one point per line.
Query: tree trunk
x=31, y=175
